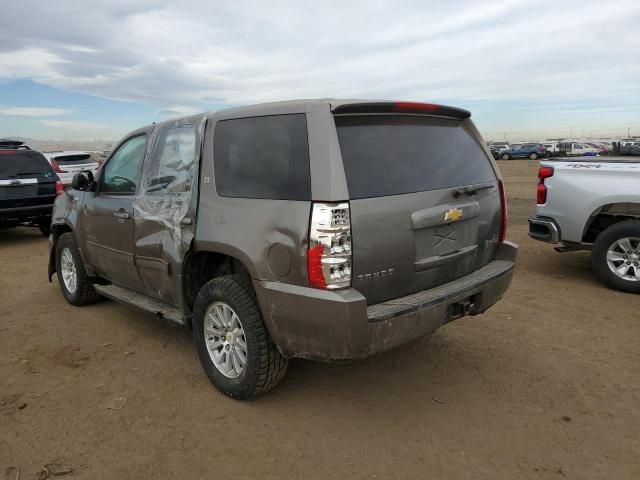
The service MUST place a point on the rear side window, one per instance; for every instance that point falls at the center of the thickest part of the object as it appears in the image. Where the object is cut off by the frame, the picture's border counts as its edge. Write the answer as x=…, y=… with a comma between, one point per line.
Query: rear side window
x=21, y=164
x=171, y=163
x=262, y=157
x=393, y=155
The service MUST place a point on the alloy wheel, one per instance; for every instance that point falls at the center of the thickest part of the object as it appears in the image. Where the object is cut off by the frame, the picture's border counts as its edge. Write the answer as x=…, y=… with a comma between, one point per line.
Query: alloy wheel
x=623, y=258
x=225, y=339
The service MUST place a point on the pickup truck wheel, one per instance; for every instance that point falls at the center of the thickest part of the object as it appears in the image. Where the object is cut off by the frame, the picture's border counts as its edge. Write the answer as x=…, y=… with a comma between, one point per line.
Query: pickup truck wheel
x=616, y=256
x=506, y=156
x=233, y=344
x=72, y=276
x=533, y=156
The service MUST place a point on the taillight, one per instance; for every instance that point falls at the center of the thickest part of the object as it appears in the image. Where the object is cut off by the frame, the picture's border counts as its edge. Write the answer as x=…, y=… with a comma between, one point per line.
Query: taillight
x=59, y=188
x=543, y=174
x=56, y=166
x=503, y=205
x=329, y=255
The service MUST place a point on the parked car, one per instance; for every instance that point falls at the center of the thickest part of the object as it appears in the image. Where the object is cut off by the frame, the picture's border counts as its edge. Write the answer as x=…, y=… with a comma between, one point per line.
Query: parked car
x=630, y=148
x=495, y=152
x=499, y=146
x=575, y=149
x=67, y=163
x=606, y=220
x=598, y=148
x=313, y=229
x=551, y=149
x=526, y=150
x=28, y=187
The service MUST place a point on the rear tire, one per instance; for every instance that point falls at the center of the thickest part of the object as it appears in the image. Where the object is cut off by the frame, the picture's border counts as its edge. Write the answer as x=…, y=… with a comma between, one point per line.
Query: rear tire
x=72, y=276
x=533, y=156
x=505, y=156
x=615, y=266
x=227, y=324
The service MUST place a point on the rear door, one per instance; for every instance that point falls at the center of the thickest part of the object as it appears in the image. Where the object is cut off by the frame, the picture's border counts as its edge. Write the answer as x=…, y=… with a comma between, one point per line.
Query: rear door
x=160, y=230
x=424, y=199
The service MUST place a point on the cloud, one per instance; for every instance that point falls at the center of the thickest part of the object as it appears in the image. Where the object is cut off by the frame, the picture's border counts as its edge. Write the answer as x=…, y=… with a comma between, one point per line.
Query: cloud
x=202, y=55
x=33, y=111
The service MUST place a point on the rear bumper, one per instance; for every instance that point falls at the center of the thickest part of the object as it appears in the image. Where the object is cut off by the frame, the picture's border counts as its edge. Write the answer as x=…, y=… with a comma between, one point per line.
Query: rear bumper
x=545, y=229
x=25, y=213
x=328, y=325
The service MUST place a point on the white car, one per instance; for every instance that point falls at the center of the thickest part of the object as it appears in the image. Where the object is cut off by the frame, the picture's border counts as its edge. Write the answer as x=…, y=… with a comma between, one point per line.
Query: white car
x=552, y=148
x=66, y=164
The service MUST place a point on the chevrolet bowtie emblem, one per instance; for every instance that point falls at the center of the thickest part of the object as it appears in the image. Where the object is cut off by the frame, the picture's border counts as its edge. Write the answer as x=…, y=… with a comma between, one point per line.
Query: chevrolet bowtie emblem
x=453, y=215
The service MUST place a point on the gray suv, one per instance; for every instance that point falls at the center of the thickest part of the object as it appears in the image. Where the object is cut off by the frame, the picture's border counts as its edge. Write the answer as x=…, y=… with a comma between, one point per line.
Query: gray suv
x=323, y=229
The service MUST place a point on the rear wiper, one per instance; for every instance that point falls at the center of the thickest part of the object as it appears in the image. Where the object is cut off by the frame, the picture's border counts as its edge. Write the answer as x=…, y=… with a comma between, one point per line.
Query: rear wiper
x=470, y=190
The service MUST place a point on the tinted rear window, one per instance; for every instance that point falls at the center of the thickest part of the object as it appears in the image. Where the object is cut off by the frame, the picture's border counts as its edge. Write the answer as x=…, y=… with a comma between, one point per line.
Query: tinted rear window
x=17, y=164
x=393, y=155
x=78, y=159
x=262, y=157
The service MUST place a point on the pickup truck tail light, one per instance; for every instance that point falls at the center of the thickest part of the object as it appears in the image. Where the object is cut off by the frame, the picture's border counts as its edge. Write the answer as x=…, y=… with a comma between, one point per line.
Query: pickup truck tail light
x=56, y=166
x=503, y=206
x=329, y=255
x=59, y=188
x=543, y=174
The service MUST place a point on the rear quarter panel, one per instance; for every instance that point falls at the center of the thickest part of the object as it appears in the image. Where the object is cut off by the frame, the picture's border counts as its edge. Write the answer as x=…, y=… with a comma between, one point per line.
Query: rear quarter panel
x=577, y=190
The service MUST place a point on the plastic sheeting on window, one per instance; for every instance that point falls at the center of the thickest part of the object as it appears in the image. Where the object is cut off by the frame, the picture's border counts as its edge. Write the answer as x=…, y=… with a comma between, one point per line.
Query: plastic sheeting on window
x=170, y=171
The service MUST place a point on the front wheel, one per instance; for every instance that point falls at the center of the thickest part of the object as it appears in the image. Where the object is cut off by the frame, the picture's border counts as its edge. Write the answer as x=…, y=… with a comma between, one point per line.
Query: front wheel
x=533, y=156
x=616, y=256
x=233, y=344
x=72, y=276
x=505, y=156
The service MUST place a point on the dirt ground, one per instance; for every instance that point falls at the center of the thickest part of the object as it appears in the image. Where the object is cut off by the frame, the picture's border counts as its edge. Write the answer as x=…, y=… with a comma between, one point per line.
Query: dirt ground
x=543, y=386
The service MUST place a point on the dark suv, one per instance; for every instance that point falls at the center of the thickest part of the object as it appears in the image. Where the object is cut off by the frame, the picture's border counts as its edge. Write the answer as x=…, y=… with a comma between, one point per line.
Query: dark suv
x=28, y=187
x=323, y=229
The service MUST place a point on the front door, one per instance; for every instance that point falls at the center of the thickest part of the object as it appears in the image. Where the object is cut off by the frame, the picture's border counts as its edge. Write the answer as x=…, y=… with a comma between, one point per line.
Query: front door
x=108, y=215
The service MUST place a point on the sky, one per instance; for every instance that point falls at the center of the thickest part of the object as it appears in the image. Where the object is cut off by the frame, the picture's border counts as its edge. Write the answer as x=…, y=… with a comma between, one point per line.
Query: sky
x=525, y=69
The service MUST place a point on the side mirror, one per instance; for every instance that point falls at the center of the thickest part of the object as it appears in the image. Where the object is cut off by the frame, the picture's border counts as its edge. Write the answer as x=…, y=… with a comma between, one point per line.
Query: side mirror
x=82, y=181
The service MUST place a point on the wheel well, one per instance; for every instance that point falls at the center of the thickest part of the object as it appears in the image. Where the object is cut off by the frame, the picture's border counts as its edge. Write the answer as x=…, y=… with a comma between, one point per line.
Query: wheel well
x=200, y=267
x=56, y=231
x=609, y=215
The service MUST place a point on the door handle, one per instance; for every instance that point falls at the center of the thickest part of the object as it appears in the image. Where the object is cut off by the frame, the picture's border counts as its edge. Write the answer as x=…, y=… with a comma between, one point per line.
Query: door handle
x=121, y=214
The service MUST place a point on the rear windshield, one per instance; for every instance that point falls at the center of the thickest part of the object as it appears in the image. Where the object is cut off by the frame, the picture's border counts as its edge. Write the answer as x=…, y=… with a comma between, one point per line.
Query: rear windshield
x=396, y=154
x=21, y=164
x=78, y=159
x=262, y=157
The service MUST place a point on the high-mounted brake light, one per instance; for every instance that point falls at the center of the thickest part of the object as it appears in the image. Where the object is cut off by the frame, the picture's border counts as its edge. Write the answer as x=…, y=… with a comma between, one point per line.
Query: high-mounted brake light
x=56, y=166
x=59, y=188
x=416, y=106
x=329, y=255
x=543, y=174
x=503, y=206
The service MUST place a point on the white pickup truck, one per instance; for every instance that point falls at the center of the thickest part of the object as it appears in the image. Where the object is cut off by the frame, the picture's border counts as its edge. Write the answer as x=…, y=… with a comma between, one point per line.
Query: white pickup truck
x=593, y=203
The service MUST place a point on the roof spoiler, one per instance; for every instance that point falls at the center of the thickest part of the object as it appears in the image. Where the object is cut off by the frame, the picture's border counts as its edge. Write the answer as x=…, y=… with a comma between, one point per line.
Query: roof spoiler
x=402, y=107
